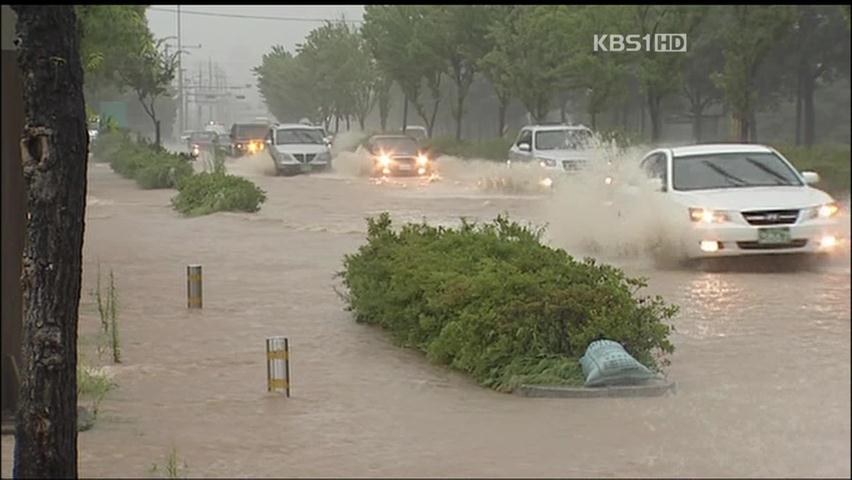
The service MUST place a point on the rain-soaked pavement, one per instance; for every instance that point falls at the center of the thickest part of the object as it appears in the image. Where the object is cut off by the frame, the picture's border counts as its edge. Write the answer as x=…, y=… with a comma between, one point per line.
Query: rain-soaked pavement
x=762, y=361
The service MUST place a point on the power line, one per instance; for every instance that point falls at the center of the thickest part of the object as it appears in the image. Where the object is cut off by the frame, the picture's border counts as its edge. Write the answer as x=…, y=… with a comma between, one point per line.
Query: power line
x=253, y=17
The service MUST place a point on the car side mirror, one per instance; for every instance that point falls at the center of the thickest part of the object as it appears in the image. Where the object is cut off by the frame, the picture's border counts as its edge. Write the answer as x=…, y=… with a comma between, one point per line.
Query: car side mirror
x=525, y=147
x=810, y=177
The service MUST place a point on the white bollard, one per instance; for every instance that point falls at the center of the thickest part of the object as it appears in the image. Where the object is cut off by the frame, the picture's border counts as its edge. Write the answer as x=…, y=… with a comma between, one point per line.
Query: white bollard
x=278, y=364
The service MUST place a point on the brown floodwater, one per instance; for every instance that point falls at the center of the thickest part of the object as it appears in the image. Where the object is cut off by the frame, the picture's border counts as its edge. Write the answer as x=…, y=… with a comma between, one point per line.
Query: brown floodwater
x=762, y=361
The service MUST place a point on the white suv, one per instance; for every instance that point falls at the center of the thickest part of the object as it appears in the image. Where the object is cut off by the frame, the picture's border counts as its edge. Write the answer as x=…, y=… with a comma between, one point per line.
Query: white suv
x=554, y=147
x=297, y=148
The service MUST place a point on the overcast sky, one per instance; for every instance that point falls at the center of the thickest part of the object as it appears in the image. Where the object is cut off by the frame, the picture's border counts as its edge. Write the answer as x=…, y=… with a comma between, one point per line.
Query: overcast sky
x=238, y=44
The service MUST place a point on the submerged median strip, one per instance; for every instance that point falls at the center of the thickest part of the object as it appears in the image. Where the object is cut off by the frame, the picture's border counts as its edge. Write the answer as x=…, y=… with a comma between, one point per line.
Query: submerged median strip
x=493, y=301
x=155, y=167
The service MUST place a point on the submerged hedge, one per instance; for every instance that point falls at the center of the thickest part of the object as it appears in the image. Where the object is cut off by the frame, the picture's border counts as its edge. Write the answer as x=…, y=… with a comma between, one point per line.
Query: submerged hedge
x=493, y=301
x=151, y=166
x=206, y=193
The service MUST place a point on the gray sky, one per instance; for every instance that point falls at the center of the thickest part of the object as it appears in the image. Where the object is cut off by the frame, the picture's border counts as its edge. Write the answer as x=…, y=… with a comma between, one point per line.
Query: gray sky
x=238, y=44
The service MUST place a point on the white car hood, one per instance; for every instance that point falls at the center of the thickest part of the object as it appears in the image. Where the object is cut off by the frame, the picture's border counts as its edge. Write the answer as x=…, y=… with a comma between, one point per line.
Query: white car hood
x=754, y=198
x=307, y=148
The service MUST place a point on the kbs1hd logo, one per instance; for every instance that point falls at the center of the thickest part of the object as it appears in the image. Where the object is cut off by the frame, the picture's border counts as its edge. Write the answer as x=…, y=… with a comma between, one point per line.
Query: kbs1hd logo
x=657, y=43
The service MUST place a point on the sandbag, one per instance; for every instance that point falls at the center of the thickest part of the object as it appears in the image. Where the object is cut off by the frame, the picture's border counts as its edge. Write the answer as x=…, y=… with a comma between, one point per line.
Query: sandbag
x=607, y=363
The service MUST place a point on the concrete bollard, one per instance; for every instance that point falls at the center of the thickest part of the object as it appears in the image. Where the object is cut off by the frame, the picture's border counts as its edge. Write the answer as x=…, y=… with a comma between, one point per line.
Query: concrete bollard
x=193, y=286
x=278, y=364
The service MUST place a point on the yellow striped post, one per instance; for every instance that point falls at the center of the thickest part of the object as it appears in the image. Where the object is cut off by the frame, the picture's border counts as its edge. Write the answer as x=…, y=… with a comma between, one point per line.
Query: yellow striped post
x=278, y=364
x=193, y=286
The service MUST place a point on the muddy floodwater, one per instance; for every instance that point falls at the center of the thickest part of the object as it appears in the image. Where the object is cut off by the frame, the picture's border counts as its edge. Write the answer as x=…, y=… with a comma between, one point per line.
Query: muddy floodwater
x=762, y=361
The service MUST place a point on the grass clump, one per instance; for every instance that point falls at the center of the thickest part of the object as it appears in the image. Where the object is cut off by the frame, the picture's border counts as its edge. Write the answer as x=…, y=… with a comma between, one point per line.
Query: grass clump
x=207, y=193
x=93, y=385
x=493, y=301
x=107, y=303
x=172, y=467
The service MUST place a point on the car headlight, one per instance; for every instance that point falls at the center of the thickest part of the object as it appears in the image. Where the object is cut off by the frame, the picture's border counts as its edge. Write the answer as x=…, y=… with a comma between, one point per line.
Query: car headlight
x=548, y=162
x=385, y=160
x=422, y=160
x=705, y=215
x=824, y=211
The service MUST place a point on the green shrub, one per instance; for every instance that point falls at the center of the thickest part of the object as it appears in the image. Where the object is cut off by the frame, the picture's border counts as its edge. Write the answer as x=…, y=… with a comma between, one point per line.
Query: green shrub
x=164, y=170
x=832, y=162
x=493, y=301
x=108, y=144
x=489, y=149
x=149, y=165
x=206, y=193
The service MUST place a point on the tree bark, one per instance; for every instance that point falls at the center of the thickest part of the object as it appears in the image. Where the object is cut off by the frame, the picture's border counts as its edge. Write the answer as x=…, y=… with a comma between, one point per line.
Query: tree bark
x=53, y=149
x=656, y=118
x=809, y=115
x=459, y=114
x=799, y=108
x=502, y=114
x=405, y=114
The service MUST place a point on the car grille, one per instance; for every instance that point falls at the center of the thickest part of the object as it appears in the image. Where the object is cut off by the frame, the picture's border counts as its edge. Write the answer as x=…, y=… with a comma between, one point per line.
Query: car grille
x=771, y=217
x=304, y=158
x=775, y=246
x=408, y=160
x=572, y=165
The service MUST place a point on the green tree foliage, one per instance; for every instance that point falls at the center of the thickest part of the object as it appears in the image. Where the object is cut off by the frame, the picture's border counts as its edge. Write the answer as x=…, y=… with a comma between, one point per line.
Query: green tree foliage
x=149, y=72
x=749, y=32
x=109, y=35
x=286, y=87
x=530, y=51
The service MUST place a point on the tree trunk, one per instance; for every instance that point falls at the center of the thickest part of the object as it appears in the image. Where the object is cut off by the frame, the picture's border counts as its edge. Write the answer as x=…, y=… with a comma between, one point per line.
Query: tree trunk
x=563, y=111
x=752, y=126
x=361, y=122
x=656, y=118
x=502, y=114
x=594, y=120
x=809, y=116
x=431, y=125
x=697, y=117
x=799, y=109
x=337, y=124
x=405, y=114
x=459, y=114
x=53, y=149
x=348, y=123
x=157, y=132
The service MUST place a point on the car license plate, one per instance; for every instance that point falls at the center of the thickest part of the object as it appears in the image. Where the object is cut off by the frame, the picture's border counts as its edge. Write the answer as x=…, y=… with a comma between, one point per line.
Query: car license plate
x=405, y=167
x=771, y=236
x=306, y=167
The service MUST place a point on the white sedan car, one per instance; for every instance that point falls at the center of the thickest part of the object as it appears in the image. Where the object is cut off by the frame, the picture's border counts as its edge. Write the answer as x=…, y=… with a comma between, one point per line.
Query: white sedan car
x=739, y=199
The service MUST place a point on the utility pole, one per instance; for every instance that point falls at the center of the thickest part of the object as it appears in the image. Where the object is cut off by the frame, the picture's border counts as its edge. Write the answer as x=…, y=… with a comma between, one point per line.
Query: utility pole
x=181, y=110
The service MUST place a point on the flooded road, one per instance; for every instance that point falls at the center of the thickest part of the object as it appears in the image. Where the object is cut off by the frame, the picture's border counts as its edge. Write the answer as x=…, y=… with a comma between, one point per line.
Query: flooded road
x=762, y=361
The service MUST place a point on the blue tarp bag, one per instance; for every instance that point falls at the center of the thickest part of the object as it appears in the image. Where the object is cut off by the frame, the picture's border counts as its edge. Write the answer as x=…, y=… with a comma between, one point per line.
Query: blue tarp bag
x=607, y=363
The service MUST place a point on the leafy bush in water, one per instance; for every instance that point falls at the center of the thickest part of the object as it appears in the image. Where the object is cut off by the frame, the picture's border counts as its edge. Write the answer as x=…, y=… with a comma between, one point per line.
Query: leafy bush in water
x=495, y=302
x=206, y=193
x=150, y=166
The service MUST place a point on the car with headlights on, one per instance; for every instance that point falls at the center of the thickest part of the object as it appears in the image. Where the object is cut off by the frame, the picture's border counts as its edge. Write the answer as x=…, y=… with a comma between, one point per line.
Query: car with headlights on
x=397, y=155
x=248, y=138
x=297, y=148
x=740, y=199
x=205, y=141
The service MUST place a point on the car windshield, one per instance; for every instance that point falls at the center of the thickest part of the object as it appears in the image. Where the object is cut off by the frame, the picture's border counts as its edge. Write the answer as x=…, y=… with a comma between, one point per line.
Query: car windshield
x=251, y=131
x=291, y=136
x=404, y=146
x=562, y=139
x=732, y=170
x=203, y=136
